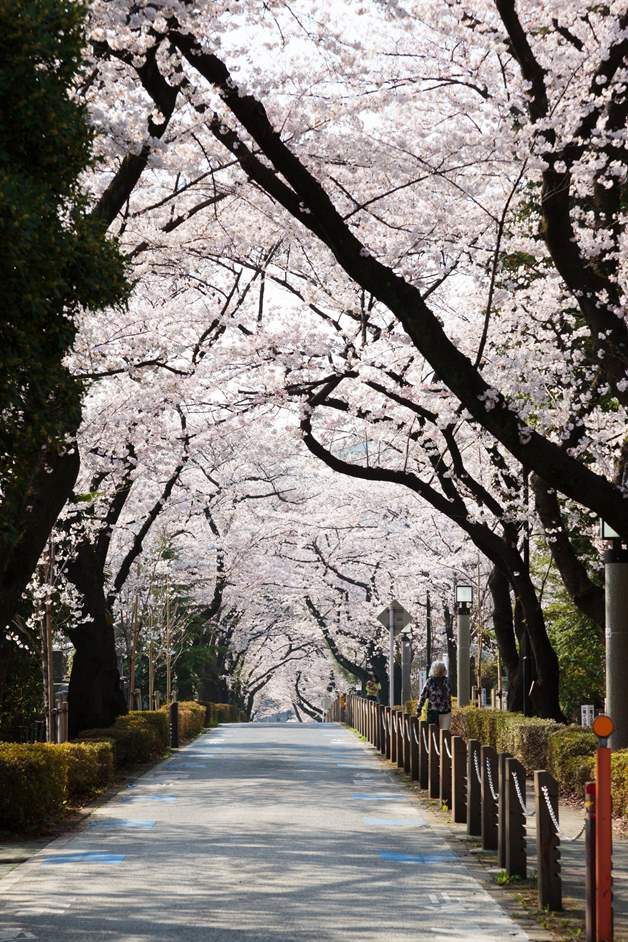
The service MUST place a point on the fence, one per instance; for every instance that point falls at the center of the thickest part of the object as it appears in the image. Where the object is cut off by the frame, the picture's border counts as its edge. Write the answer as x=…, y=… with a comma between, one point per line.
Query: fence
x=479, y=787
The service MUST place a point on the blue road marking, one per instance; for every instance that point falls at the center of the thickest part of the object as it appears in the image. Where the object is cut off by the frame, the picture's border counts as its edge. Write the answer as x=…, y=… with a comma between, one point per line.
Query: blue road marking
x=85, y=857
x=352, y=765
x=393, y=822
x=416, y=858
x=380, y=797
x=188, y=765
x=150, y=798
x=122, y=823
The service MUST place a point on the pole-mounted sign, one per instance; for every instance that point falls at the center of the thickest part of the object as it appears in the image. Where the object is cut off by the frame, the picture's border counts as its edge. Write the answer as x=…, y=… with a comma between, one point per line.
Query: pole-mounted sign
x=395, y=618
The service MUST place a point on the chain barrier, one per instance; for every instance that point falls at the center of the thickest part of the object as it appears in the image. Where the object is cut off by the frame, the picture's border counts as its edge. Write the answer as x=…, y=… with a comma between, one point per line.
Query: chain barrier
x=477, y=767
x=436, y=749
x=448, y=750
x=524, y=809
x=407, y=725
x=416, y=738
x=426, y=745
x=489, y=775
x=545, y=791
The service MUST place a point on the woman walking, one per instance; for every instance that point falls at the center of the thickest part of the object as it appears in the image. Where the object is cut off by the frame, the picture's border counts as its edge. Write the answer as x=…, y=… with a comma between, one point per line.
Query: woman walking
x=437, y=692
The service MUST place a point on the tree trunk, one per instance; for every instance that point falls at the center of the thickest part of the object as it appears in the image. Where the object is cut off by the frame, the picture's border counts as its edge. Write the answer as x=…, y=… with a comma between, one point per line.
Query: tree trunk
x=504, y=629
x=95, y=695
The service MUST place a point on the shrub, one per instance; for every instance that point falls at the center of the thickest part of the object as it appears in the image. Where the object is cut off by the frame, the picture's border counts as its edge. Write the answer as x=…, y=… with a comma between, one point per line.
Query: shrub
x=33, y=786
x=223, y=713
x=525, y=737
x=191, y=718
x=571, y=758
x=89, y=768
x=138, y=736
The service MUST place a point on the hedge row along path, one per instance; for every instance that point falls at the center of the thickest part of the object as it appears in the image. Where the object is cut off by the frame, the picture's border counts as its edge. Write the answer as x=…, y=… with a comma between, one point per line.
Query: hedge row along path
x=256, y=833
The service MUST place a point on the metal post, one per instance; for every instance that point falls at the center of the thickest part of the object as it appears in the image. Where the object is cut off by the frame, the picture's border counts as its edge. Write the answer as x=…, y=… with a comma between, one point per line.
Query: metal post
x=388, y=728
x=463, y=617
x=515, y=862
x=428, y=631
x=589, y=853
x=406, y=664
x=547, y=842
x=488, y=818
x=391, y=657
x=616, y=592
x=502, y=788
x=459, y=779
x=474, y=823
x=434, y=761
x=603, y=847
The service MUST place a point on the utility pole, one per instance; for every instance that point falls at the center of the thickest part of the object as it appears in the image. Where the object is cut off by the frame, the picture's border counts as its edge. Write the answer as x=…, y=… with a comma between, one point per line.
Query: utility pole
x=428, y=637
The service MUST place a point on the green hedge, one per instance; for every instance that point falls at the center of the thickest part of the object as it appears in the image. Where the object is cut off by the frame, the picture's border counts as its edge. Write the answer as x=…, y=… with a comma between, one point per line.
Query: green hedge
x=89, y=768
x=568, y=752
x=223, y=713
x=33, y=786
x=192, y=716
x=139, y=736
x=525, y=737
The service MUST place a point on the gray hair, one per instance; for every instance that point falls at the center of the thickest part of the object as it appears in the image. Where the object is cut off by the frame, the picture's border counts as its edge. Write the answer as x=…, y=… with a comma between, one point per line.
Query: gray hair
x=438, y=669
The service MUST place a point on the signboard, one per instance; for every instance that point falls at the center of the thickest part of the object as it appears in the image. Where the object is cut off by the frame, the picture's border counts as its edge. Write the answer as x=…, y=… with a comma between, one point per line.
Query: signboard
x=587, y=714
x=400, y=617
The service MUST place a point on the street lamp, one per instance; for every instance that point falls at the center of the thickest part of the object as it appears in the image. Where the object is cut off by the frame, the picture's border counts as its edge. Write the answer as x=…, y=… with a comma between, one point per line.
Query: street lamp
x=616, y=619
x=464, y=601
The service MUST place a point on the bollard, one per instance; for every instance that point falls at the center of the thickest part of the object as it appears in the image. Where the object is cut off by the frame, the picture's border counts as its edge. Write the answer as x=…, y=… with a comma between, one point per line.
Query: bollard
x=414, y=748
x=459, y=779
x=489, y=796
x=603, y=728
x=389, y=730
x=407, y=744
x=401, y=740
x=474, y=781
x=589, y=854
x=444, y=788
x=547, y=841
x=173, y=713
x=433, y=761
x=392, y=723
x=424, y=754
x=515, y=818
x=502, y=788
x=382, y=729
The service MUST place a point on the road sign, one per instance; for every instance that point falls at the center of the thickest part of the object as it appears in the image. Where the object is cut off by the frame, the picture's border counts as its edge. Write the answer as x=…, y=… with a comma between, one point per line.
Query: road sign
x=400, y=617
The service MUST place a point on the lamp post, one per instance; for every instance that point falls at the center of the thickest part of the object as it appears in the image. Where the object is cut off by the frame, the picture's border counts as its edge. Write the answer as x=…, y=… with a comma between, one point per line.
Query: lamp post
x=616, y=611
x=464, y=601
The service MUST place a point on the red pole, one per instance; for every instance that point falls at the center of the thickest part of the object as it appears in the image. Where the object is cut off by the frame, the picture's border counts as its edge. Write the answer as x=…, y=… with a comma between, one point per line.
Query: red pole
x=603, y=847
x=589, y=853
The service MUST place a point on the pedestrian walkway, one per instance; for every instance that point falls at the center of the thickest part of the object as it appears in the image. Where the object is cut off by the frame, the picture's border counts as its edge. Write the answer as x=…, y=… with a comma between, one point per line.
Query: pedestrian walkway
x=256, y=833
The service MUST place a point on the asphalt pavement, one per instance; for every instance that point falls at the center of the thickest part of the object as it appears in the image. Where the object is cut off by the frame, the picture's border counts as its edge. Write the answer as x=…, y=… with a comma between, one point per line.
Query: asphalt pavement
x=255, y=833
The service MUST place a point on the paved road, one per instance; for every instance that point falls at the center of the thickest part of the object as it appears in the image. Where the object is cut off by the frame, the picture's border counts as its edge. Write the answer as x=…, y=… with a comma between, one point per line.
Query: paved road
x=255, y=833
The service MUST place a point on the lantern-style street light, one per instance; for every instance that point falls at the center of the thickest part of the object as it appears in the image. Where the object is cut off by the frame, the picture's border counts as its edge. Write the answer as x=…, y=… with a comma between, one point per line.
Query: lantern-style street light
x=464, y=601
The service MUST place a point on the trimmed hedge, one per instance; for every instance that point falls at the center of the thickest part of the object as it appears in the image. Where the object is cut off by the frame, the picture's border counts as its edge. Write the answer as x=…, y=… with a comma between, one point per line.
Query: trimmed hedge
x=33, y=786
x=525, y=737
x=138, y=736
x=89, y=768
x=191, y=718
x=223, y=713
x=568, y=752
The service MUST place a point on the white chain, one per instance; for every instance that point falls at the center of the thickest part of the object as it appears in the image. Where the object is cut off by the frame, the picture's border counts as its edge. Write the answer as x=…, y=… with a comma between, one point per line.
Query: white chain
x=408, y=736
x=447, y=748
x=490, y=779
x=545, y=791
x=425, y=742
x=437, y=750
x=527, y=813
x=416, y=738
x=477, y=767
